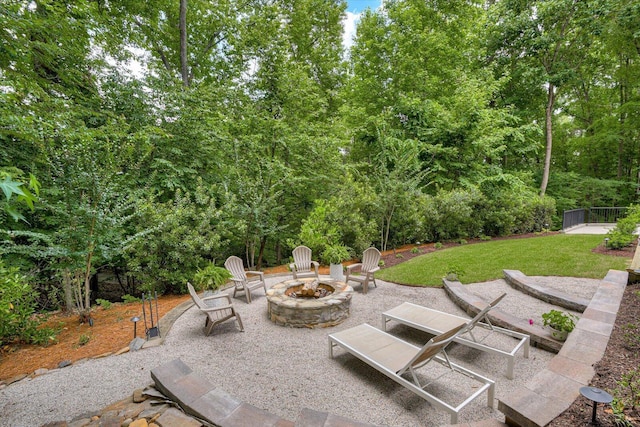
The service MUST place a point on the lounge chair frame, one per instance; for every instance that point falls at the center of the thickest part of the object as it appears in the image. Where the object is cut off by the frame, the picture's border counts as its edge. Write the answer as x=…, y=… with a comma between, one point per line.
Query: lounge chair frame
x=435, y=322
x=396, y=358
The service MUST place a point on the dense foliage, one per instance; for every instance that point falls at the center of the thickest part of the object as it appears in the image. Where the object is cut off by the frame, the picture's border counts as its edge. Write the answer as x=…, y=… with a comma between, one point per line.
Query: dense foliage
x=166, y=135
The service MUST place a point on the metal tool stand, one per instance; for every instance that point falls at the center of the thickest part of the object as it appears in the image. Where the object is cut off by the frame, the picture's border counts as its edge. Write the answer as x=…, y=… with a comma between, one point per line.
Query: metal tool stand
x=154, y=330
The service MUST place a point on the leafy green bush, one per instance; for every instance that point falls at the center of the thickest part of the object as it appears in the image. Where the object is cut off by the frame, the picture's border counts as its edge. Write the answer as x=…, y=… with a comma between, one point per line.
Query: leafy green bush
x=456, y=214
x=130, y=298
x=623, y=233
x=175, y=239
x=211, y=277
x=335, y=254
x=106, y=304
x=17, y=308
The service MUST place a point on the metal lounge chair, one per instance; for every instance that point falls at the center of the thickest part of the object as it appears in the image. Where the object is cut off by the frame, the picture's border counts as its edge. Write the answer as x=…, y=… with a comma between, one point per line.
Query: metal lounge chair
x=241, y=281
x=218, y=309
x=400, y=360
x=435, y=322
x=366, y=268
x=302, y=264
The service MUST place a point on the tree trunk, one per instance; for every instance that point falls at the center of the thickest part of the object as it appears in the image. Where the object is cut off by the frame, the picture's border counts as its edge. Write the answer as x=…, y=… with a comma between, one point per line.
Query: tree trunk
x=67, y=287
x=184, y=65
x=551, y=98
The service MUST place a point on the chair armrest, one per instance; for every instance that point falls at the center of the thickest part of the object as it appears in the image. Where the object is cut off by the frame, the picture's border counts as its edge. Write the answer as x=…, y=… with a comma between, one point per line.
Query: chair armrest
x=315, y=264
x=292, y=266
x=373, y=270
x=357, y=266
x=259, y=273
x=219, y=296
x=218, y=308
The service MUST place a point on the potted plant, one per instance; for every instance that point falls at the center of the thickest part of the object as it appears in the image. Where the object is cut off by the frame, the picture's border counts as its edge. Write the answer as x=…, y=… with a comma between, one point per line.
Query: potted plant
x=211, y=278
x=334, y=255
x=560, y=323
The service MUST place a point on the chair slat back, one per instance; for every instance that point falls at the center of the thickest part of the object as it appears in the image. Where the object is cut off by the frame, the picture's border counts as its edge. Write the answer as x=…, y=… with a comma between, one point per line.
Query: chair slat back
x=434, y=346
x=302, y=258
x=194, y=296
x=235, y=266
x=370, y=259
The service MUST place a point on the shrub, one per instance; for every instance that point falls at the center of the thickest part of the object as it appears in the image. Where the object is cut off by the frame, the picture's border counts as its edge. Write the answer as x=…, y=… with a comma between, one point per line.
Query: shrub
x=335, y=254
x=129, y=299
x=17, y=306
x=623, y=233
x=211, y=277
x=106, y=304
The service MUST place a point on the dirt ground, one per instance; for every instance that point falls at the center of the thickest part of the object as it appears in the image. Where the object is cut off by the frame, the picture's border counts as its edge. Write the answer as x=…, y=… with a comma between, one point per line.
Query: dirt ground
x=112, y=331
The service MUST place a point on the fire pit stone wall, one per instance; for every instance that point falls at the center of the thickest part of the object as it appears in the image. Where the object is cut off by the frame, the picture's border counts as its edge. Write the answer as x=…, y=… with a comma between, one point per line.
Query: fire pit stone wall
x=300, y=312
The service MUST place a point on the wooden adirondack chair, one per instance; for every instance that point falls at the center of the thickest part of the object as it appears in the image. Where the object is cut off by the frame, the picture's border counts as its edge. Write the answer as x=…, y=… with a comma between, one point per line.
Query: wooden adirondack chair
x=218, y=309
x=302, y=264
x=242, y=282
x=366, y=268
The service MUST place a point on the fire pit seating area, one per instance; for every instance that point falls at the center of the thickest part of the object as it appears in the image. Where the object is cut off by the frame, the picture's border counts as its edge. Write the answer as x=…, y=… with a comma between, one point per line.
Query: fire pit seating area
x=309, y=303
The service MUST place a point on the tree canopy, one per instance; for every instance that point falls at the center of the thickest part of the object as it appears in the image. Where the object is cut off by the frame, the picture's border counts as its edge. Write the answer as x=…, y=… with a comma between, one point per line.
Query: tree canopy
x=158, y=137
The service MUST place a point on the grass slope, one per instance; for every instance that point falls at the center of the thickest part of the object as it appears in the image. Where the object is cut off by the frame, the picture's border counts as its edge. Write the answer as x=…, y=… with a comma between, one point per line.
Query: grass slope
x=556, y=255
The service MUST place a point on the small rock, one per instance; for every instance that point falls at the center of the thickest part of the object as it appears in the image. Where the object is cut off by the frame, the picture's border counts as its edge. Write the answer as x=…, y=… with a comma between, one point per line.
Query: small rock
x=140, y=422
x=138, y=396
x=136, y=344
x=172, y=417
x=127, y=422
x=64, y=363
x=152, y=413
x=15, y=379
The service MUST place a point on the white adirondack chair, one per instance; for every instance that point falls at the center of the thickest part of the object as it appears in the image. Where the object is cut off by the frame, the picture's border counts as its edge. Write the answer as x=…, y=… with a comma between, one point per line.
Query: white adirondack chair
x=241, y=281
x=366, y=268
x=302, y=265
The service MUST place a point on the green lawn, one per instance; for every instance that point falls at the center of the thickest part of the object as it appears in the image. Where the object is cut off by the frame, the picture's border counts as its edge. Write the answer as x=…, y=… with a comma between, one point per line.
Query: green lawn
x=555, y=255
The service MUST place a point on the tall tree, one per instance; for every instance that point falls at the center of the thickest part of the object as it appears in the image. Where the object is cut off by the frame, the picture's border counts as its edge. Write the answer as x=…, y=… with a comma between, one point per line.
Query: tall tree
x=541, y=40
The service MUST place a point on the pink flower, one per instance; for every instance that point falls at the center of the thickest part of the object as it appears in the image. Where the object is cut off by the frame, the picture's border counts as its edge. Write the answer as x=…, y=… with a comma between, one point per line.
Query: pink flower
x=531, y=321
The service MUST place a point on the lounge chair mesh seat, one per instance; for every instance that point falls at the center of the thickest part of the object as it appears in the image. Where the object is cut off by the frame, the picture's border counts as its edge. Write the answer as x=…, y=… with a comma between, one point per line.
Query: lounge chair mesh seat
x=400, y=360
x=436, y=322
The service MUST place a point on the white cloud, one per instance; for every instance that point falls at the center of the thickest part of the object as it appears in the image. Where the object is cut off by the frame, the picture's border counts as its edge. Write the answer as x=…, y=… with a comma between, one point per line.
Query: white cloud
x=349, y=24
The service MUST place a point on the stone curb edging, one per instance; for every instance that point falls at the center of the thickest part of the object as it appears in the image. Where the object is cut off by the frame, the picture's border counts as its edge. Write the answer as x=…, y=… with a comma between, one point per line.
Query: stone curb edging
x=554, y=389
x=517, y=280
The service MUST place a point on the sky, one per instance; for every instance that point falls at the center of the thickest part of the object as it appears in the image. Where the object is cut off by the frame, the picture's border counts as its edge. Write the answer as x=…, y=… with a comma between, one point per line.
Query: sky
x=354, y=9
x=357, y=6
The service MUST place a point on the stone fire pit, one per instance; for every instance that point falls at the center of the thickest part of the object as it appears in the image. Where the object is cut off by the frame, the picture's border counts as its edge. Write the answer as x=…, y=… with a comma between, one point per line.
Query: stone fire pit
x=309, y=303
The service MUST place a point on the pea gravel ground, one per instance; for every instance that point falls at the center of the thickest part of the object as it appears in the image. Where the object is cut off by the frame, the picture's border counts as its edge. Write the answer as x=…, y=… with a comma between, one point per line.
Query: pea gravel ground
x=283, y=370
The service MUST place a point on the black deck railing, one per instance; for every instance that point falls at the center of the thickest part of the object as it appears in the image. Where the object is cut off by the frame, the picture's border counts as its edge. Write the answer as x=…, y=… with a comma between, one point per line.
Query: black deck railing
x=593, y=215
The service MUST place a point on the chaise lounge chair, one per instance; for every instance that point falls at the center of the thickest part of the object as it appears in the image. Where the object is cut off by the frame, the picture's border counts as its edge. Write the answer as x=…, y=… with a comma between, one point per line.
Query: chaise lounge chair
x=435, y=322
x=400, y=360
x=218, y=309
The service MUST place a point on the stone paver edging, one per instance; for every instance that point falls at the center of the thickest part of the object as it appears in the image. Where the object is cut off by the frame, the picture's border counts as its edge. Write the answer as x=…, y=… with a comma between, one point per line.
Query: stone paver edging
x=524, y=284
x=553, y=390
